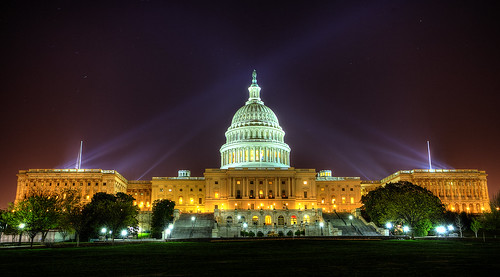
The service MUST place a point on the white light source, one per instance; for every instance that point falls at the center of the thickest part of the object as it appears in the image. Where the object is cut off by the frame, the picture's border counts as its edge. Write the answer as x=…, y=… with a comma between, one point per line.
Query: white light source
x=245, y=225
x=388, y=225
x=321, y=224
x=350, y=217
x=168, y=232
x=406, y=229
x=170, y=226
x=103, y=230
x=124, y=233
x=440, y=229
x=22, y=225
x=451, y=228
x=193, y=218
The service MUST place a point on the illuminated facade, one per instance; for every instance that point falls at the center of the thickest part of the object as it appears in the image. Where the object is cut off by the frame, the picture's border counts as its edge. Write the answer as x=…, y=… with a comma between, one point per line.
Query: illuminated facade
x=255, y=180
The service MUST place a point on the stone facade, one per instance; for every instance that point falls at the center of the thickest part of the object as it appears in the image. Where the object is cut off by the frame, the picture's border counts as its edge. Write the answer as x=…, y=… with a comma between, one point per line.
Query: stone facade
x=255, y=181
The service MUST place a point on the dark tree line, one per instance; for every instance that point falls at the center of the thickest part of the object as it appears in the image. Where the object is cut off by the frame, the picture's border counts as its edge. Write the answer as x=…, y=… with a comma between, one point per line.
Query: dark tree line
x=41, y=211
x=404, y=203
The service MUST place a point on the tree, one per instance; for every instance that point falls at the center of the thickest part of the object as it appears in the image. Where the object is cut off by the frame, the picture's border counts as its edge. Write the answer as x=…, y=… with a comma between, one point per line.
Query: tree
x=3, y=222
x=404, y=203
x=163, y=213
x=114, y=212
x=38, y=211
x=491, y=220
x=475, y=225
x=72, y=218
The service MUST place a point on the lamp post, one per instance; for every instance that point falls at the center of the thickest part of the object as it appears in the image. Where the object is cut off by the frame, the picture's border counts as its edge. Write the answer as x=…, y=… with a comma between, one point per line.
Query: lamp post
x=245, y=225
x=124, y=234
x=321, y=224
x=21, y=227
x=167, y=233
x=388, y=225
x=441, y=230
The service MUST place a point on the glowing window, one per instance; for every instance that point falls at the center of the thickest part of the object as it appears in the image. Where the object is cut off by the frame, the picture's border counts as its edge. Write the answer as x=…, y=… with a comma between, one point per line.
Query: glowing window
x=306, y=219
x=255, y=220
x=293, y=220
x=180, y=200
x=305, y=182
x=343, y=200
x=352, y=200
x=216, y=195
x=268, y=220
x=322, y=200
x=191, y=200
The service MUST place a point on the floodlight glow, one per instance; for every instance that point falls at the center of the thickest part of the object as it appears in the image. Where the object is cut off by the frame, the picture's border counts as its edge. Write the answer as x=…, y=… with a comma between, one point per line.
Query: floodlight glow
x=321, y=224
x=193, y=218
x=406, y=229
x=22, y=225
x=245, y=225
x=103, y=230
x=451, y=228
x=388, y=225
x=171, y=226
x=441, y=229
x=350, y=217
x=124, y=233
x=167, y=231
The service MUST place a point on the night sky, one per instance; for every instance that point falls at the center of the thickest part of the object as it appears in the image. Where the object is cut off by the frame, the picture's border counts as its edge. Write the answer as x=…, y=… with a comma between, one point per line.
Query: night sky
x=151, y=86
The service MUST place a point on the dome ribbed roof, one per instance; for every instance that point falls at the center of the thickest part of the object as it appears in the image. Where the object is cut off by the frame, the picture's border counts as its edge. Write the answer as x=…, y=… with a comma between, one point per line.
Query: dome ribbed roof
x=255, y=114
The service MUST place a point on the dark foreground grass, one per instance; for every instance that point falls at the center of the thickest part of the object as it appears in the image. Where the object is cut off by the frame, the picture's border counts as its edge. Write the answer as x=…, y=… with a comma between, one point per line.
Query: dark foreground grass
x=260, y=258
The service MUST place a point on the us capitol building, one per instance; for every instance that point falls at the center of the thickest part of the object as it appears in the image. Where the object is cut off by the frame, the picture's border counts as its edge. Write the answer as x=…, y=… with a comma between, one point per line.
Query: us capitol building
x=255, y=183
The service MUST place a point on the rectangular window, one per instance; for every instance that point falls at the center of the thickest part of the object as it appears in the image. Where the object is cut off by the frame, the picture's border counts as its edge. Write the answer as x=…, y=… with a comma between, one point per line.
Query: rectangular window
x=200, y=201
x=305, y=194
x=104, y=184
x=352, y=200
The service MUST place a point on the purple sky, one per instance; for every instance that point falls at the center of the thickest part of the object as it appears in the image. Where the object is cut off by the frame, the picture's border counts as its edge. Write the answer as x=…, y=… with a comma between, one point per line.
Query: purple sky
x=151, y=87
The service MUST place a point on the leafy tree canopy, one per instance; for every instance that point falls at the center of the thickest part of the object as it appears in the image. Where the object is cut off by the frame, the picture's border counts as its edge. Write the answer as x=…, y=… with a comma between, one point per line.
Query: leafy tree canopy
x=113, y=212
x=163, y=213
x=405, y=203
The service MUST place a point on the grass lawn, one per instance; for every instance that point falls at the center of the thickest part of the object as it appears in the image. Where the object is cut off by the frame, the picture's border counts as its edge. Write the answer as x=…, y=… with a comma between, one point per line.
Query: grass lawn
x=260, y=258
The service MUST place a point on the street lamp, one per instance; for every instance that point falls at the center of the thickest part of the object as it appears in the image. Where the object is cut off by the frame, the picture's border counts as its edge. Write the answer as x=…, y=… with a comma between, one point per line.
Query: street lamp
x=124, y=234
x=167, y=231
x=440, y=230
x=406, y=229
x=21, y=227
x=321, y=224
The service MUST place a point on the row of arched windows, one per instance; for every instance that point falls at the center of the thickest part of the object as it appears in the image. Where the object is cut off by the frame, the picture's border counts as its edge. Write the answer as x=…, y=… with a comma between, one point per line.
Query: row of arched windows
x=268, y=220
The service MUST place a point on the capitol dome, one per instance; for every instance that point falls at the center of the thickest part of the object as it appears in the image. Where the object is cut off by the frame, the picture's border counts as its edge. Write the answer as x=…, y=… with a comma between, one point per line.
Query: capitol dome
x=255, y=137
